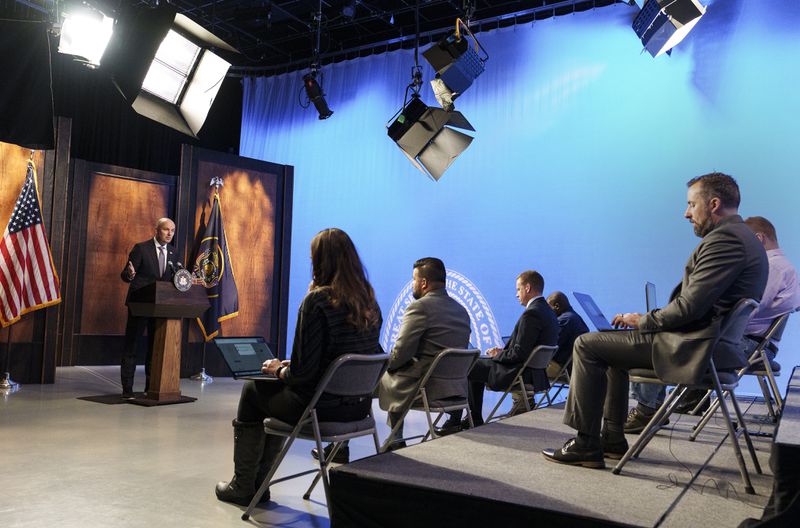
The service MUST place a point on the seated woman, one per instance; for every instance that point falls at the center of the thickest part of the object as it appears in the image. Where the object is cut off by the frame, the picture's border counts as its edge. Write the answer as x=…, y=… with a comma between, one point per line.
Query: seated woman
x=339, y=315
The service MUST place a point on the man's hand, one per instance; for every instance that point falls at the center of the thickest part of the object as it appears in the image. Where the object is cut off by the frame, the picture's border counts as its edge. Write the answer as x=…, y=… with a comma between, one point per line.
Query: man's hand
x=271, y=366
x=628, y=320
x=130, y=271
x=492, y=352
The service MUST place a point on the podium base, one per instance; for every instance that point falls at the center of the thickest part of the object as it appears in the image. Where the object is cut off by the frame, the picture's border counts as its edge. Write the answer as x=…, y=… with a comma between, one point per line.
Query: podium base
x=146, y=402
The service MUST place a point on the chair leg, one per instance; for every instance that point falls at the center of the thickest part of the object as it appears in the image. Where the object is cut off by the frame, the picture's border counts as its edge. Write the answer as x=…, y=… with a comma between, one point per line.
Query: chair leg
x=699, y=426
x=497, y=406
x=765, y=391
x=700, y=403
x=328, y=459
x=391, y=438
x=525, y=396
x=775, y=391
x=748, y=486
x=746, y=433
x=323, y=464
x=271, y=473
x=431, y=433
x=645, y=435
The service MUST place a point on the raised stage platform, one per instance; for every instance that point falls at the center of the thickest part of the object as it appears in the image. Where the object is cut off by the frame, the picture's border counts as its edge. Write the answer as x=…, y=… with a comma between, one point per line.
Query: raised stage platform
x=495, y=474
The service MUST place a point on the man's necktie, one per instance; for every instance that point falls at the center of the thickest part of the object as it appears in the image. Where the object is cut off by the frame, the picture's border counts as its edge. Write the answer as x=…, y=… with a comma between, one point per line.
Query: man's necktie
x=162, y=260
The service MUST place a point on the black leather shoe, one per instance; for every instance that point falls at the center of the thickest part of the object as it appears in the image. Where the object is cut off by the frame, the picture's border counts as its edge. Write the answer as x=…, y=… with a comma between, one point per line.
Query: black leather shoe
x=573, y=455
x=128, y=396
x=615, y=450
x=687, y=406
x=449, y=427
x=342, y=456
x=637, y=421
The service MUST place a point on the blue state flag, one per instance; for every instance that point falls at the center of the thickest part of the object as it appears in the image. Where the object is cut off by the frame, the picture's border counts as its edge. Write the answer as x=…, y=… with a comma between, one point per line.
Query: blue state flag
x=212, y=264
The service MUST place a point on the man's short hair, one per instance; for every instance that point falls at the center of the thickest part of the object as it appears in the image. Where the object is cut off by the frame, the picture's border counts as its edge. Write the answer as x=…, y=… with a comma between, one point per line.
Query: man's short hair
x=719, y=185
x=533, y=278
x=759, y=224
x=431, y=269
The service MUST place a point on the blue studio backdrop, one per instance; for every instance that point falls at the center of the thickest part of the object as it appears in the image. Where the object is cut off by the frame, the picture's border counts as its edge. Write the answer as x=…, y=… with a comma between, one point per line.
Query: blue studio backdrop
x=578, y=169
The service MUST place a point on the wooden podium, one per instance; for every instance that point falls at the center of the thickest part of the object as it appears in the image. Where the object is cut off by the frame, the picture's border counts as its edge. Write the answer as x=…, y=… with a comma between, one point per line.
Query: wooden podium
x=164, y=302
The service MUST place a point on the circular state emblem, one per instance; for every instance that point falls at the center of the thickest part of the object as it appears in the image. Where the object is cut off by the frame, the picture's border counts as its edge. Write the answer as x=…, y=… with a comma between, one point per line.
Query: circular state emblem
x=485, y=332
x=182, y=280
x=209, y=265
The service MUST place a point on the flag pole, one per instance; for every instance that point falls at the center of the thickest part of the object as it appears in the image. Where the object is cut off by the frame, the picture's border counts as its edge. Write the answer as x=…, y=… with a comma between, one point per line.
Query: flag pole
x=216, y=183
x=7, y=385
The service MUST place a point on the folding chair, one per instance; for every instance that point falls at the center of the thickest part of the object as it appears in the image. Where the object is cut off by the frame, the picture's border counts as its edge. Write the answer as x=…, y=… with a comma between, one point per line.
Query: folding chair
x=451, y=364
x=350, y=375
x=560, y=382
x=732, y=331
x=538, y=359
x=758, y=365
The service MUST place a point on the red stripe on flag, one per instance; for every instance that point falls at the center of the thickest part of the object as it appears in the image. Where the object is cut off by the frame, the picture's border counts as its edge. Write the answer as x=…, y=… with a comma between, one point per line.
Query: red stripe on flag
x=45, y=264
x=17, y=258
x=33, y=285
x=11, y=297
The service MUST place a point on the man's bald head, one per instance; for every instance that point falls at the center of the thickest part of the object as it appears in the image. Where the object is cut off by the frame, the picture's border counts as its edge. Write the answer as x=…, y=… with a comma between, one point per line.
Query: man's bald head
x=559, y=302
x=165, y=230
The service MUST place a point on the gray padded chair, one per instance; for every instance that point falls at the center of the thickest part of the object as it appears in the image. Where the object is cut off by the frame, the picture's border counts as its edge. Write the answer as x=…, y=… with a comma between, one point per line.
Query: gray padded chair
x=732, y=331
x=451, y=364
x=538, y=359
x=758, y=365
x=350, y=375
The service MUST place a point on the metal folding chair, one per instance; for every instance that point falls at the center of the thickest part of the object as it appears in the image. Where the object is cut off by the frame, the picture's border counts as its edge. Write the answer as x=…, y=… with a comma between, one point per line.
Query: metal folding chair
x=350, y=375
x=757, y=365
x=560, y=382
x=538, y=359
x=732, y=331
x=451, y=364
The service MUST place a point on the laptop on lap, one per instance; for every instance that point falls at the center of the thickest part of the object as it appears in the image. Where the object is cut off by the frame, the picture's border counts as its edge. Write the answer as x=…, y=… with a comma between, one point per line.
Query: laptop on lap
x=245, y=355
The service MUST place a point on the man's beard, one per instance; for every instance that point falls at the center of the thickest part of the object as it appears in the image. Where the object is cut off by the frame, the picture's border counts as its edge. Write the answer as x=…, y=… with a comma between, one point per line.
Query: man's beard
x=416, y=294
x=703, y=229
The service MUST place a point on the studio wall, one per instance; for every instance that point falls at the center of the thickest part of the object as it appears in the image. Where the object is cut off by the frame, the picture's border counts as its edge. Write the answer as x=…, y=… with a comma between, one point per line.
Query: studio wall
x=578, y=169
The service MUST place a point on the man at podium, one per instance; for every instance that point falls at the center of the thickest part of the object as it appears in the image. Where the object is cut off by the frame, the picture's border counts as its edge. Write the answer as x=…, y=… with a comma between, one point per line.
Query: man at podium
x=149, y=261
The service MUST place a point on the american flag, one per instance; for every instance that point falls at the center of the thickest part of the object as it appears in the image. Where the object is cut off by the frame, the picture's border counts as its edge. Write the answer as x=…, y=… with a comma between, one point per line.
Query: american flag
x=27, y=278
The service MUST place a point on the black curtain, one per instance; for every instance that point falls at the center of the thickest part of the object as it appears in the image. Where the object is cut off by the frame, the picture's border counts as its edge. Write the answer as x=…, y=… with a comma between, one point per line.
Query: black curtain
x=26, y=100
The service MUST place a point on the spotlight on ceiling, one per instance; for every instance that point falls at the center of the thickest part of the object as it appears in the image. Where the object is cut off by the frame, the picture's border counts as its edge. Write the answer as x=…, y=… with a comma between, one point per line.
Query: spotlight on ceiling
x=457, y=64
x=85, y=33
x=429, y=137
x=663, y=24
x=316, y=95
x=162, y=63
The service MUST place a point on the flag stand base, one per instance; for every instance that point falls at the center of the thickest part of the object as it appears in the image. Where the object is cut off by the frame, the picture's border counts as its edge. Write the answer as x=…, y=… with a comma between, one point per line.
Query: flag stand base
x=202, y=376
x=7, y=384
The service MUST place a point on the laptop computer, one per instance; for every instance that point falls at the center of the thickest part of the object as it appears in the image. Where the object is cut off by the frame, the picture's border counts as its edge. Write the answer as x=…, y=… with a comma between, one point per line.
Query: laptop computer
x=245, y=355
x=594, y=313
x=650, y=296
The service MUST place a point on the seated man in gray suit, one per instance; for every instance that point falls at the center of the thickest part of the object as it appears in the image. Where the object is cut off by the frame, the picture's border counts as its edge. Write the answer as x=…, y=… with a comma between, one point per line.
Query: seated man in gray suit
x=430, y=324
x=676, y=341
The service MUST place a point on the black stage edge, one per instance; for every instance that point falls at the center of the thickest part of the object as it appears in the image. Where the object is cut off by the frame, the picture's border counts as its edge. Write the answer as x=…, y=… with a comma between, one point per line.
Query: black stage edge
x=145, y=402
x=495, y=475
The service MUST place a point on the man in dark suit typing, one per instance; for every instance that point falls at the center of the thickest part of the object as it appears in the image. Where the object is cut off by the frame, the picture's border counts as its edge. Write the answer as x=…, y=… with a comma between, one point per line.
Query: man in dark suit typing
x=148, y=261
x=728, y=265
x=536, y=326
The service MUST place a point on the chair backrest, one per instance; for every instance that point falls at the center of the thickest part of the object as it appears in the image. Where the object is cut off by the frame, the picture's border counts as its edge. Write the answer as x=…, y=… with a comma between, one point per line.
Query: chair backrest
x=451, y=364
x=541, y=357
x=734, y=323
x=352, y=375
x=775, y=330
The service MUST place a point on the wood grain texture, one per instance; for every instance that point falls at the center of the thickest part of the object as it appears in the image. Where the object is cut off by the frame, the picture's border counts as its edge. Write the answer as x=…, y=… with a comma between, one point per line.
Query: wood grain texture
x=165, y=382
x=248, y=201
x=120, y=213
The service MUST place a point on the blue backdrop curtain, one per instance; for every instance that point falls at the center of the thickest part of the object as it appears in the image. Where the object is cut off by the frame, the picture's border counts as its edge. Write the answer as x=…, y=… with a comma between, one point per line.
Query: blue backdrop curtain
x=579, y=165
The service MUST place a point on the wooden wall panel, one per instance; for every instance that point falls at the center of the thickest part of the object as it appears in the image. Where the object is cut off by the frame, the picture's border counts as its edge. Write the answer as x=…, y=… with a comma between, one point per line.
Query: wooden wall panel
x=114, y=225
x=249, y=212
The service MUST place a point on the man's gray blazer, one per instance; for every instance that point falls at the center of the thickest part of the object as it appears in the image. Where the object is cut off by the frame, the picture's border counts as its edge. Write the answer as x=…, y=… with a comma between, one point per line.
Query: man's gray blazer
x=430, y=324
x=729, y=264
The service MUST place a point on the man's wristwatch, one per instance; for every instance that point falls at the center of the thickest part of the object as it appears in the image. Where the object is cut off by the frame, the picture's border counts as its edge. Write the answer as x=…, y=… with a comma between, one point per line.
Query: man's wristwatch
x=278, y=372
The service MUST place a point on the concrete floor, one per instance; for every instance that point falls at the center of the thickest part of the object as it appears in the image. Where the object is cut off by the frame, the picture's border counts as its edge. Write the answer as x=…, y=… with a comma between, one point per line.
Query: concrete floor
x=72, y=463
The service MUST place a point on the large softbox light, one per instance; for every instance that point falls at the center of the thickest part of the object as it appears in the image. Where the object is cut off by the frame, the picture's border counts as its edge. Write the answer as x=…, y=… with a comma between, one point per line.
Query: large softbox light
x=662, y=24
x=162, y=63
x=429, y=136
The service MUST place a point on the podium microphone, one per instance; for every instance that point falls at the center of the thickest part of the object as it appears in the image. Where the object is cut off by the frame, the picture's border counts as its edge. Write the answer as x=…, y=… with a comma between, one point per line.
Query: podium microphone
x=180, y=266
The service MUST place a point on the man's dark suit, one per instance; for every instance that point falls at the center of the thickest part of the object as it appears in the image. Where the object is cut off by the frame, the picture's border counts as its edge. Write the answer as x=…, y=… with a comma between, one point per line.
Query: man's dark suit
x=729, y=264
x=536, y=326
x=144, y=259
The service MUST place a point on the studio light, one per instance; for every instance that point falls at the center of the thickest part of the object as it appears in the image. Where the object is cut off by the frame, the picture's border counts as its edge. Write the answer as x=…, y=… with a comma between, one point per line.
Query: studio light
x=162, y=63
x=663, y=24
x=85, y=34
x=316, y=95
x=457, y=64
x=430, y=137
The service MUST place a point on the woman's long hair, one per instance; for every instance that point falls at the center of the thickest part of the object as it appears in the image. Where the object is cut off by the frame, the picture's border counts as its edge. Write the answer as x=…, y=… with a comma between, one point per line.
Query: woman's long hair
x=336, y=265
